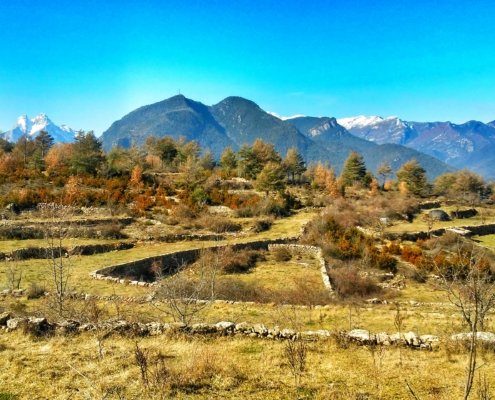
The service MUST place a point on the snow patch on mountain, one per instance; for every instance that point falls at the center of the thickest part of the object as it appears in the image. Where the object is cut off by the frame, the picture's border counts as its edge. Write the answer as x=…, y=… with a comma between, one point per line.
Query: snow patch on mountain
x=284, y=118
x=25, y=126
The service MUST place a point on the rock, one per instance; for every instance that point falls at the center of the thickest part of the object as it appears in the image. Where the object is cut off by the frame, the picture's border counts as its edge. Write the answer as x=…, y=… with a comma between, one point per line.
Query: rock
x=14, y=323
x=18, y=292
x=288, y=333
x=202, y=328
x=86, y=327
x=5, y=292
x=225, y=327
x=411, y=339
x=4, y=317
x=486, y=337
x=154, y=328
x=68, y=326
x=38, y=326
x=383, y=338
x=374, y=300
x=361, y=336
x=260, y=329
x=243, y=327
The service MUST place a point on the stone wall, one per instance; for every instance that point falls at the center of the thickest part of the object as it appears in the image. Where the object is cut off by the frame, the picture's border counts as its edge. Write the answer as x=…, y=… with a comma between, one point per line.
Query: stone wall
x=141, y=270
x=481, y=230
x=312, y=251
x=40, y=326
x=26, y=253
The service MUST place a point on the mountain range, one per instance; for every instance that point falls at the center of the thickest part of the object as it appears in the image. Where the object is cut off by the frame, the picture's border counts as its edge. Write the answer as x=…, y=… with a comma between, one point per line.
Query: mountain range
x=235, y=121
x=31, y=127
x=470, y=145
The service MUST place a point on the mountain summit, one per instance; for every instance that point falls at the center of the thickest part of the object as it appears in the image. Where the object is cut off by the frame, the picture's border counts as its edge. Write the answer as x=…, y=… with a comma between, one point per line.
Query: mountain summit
x=31, y=127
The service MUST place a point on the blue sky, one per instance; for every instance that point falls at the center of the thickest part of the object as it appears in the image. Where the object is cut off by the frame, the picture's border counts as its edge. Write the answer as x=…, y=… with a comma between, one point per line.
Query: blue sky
x=86, y=63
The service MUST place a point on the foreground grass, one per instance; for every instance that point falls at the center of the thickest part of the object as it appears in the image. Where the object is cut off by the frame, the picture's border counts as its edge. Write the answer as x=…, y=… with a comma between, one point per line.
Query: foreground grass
x=209, y=368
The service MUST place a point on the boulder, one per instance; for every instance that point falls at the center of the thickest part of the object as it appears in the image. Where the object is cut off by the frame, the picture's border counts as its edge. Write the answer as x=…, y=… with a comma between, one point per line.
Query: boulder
x=362, y=336
x=439, y=215
x=68, y=326
x=14, y=323
x=411, y=339
x=4, y=317
x=225, y=327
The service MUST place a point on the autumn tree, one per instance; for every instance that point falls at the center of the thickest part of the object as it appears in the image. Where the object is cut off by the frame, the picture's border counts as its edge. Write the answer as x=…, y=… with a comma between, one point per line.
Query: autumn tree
x=413, y=177
x=294, y=164
x=59, y=158
x=354, y=170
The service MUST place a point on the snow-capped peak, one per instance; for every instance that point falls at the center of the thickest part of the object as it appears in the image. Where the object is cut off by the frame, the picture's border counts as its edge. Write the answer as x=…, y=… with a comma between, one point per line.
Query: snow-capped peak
x=362, y=121
x=31, y=128
x=285, y=118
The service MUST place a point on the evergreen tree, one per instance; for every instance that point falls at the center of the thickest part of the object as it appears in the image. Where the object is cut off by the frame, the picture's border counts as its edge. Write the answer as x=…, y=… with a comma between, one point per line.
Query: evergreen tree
x=228, y=161
x=294, y=164
x=88, y=156
x=271, y=178
x=354, y=170
x=412, y=176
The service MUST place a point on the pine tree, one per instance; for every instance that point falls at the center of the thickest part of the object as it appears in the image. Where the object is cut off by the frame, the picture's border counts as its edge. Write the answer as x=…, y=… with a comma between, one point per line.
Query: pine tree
x=413, y=176
x=271, y=178
x=228, y=161
x=88, y=155
x=294, y=164
x=354, y=170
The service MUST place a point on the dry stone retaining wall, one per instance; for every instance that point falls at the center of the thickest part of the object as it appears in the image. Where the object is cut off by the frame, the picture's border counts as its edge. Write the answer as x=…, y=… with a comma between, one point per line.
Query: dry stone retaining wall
x=140, y=270
x=41, y=326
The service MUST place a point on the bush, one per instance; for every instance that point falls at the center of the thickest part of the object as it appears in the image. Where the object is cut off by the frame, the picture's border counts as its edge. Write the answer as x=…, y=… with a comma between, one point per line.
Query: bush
x=262, y=225
x=218, y=224
x=348, y=283
x=376, y=258
x=282, y=254
x=35, y=291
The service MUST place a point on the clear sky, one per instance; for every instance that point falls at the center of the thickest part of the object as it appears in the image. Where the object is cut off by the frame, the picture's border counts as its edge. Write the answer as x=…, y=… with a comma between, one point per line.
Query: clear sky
x=86, y=63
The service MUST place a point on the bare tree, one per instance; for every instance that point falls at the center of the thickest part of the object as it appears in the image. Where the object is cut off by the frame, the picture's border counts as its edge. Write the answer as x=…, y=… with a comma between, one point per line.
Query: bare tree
x=55, y=229
x=187, y=291
x=13, y=274
x=469, y=283
x=295, y=353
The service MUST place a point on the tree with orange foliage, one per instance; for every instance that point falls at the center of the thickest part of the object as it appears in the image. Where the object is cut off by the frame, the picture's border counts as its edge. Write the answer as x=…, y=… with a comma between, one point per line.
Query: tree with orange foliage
x=58, y=159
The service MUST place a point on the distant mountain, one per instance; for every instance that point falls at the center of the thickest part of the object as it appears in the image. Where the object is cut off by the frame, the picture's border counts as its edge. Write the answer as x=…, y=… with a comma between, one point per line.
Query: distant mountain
x=338, y=142
x=176, y=117
x=470, y=145
x=236, y=121
x=31, y=128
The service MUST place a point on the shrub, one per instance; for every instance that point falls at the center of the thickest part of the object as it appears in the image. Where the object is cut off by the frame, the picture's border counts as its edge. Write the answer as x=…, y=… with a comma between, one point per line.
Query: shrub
x=282, y=254
x=348, y=283
x=218, y=224
x=262, y=225
x=378, y=258
x=35, y=291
